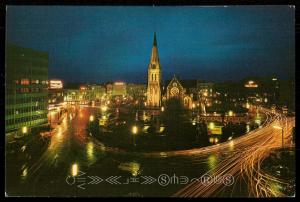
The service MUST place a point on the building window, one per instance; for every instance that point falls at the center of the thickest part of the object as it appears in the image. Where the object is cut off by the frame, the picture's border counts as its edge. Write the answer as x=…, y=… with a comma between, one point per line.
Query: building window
x=24, y=90
x=34, y=81
x=25, y=81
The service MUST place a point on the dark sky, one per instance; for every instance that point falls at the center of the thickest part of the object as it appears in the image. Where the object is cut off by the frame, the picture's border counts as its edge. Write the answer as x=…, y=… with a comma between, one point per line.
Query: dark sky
x=98, y=44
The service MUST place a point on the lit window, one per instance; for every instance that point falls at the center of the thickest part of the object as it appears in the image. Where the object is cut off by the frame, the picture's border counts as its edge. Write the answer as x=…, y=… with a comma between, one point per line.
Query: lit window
x=24, y=90
x=35, y=81
x=25, y=81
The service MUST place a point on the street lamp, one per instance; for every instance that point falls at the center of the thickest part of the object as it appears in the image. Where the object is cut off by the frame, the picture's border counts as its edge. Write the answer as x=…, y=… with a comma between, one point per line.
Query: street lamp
x=92, y=118
x=211, y=125
x=74, y=169
x=134, y=132
x=247, y=105
x=104, y=108
x=162, y=109
x=230, y=113
x=280, y=128
x=24, y=129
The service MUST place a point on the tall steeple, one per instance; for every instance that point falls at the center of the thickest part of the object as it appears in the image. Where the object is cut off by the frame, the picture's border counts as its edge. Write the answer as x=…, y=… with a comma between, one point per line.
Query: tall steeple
x=154, y=41
x=154, y=78
x=154, y=54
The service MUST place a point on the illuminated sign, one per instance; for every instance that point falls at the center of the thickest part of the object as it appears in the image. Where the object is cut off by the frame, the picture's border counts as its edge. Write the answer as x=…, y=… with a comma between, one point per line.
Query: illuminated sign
x=216, y=130
x=82, y=88
x=56, y=84
x=284, y=110
x=251, y=84
x=119, y=83
x=102, y=122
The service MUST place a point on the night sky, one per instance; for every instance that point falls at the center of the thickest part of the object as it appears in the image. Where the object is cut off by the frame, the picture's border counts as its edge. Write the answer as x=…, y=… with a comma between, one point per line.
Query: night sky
x=99, y=44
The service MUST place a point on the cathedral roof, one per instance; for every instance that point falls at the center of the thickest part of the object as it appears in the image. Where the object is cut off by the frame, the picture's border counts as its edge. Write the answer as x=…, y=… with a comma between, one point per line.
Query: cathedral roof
x=185, y=83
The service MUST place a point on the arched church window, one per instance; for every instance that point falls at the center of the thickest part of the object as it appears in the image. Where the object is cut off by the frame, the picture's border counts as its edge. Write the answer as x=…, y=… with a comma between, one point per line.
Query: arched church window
x=174, y=91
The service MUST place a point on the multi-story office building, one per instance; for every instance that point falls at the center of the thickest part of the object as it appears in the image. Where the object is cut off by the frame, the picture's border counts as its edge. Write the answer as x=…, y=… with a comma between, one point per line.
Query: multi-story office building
x=26, y=88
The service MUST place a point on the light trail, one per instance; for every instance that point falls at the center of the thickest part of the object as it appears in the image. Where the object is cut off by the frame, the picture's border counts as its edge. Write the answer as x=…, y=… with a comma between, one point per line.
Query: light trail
x=241, y=157
x=245, y=162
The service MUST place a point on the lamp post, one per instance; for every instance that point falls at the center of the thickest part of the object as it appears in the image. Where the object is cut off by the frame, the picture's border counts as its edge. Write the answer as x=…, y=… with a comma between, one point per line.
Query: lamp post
x=24, y=130
x=211, y=125
x=92, y=118
x=134, y=132
x=280, y=128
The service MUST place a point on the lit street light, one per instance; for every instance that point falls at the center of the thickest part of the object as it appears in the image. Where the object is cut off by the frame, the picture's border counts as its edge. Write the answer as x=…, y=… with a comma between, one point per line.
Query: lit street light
x=104, y=108
x=74, y=169
x=24, y=129
x=280, y=128
x=134, y=132
x=92, y=118
x=247, y=105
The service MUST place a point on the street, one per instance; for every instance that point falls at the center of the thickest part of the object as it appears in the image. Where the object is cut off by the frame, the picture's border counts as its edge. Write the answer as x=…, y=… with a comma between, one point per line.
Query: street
x=72, y=152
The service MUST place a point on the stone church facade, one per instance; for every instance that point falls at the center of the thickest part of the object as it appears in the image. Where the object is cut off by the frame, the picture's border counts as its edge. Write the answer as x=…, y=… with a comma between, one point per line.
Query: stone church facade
x=176, y=90
x=157, y=94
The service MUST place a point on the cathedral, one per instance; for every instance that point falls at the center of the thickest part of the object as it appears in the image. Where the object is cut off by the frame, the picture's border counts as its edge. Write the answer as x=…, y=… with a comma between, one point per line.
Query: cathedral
x=157, y=94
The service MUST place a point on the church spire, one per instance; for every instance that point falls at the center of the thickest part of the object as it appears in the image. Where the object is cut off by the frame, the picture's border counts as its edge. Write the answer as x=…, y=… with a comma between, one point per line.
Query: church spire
x=154, y=78
x=154, y=55
x=154, y=41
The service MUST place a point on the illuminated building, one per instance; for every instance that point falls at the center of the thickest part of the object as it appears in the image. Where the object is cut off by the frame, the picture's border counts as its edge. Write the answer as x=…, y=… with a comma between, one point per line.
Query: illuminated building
x=26, y=88
x=176, y=90
x=154, y=78
x=205, y=88
x=55, y=84
x=95, y=92
x=56, y=94
x=136, y=91
x=251, y=84
x=109, y=88
x=119, y=89
x=72, y=95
